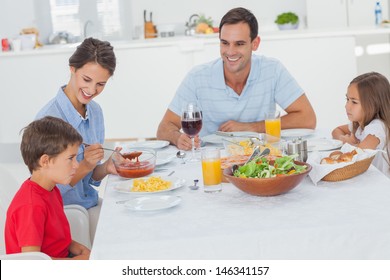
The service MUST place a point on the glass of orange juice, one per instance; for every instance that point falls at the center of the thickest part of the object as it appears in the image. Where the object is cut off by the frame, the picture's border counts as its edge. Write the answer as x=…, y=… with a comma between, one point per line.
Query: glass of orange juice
x=211, y=169
x=273, y=125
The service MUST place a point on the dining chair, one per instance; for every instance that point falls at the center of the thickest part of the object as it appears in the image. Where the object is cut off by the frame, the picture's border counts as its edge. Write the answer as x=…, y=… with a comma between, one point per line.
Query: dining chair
x=25, y=256
x=78, y=218
x=8, y=188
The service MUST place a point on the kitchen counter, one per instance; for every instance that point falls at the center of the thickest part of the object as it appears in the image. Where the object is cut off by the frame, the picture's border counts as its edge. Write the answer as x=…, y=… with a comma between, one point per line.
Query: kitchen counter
x=195, y=42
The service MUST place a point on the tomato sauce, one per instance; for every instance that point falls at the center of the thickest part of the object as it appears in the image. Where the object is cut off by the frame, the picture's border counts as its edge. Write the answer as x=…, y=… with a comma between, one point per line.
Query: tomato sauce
x=139, y=171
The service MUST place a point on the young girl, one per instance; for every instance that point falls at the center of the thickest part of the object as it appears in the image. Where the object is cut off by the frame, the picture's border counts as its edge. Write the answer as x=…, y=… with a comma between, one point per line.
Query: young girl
x=368, y=109
x=91, y=65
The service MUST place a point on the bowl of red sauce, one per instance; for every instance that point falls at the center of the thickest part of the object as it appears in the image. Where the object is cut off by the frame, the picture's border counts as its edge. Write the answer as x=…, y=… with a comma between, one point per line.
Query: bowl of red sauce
x=134, y=163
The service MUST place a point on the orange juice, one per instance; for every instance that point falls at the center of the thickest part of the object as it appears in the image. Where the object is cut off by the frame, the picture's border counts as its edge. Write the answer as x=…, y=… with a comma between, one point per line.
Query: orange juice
x=273, y=127
x=211, y=169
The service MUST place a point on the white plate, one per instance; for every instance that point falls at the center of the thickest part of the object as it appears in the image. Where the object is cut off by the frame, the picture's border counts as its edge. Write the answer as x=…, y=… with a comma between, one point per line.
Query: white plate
x=152, y=144
x=296, y=132
x=323, y=144
x=217, y=139
x=164, y=158
x=126, y=186
x=152, y=203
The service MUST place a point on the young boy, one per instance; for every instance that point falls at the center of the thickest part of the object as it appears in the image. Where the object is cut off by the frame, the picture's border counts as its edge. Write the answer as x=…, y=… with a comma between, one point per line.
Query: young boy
x=36, y=219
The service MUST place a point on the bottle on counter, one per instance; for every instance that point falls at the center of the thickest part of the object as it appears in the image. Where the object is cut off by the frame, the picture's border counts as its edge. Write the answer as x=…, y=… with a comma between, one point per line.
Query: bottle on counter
x=378, y=13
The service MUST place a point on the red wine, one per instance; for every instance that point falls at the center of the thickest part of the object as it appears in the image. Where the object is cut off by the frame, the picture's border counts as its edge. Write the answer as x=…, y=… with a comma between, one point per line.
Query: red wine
x=191, y=127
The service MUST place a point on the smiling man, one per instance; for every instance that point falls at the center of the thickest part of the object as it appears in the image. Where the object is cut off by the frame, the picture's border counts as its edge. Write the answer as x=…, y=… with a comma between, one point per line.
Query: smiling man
x=235, y=91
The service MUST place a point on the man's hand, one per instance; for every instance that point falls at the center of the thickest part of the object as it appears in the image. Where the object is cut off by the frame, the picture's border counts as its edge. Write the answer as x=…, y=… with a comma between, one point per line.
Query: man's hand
x=231, y=126
x=184, y=142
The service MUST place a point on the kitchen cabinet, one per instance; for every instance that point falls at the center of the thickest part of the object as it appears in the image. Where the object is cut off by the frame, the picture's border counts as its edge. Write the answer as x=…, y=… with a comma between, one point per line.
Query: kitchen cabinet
x=342, y=13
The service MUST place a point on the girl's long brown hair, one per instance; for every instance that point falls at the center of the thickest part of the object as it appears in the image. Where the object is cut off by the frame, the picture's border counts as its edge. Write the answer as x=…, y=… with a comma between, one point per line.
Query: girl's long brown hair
x=374, y=94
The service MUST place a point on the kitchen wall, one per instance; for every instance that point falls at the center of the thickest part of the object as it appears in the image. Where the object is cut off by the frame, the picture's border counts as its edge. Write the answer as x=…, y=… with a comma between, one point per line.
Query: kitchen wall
x=36, y=13
x=265, y=10
x=13, y=18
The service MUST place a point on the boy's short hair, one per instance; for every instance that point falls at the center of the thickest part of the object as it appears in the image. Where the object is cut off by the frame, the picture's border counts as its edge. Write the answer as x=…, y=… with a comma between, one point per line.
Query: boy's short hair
x=50, y=136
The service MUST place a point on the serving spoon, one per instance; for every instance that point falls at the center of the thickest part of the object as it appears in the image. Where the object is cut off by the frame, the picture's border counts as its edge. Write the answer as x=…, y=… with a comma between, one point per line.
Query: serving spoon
x=256, y=154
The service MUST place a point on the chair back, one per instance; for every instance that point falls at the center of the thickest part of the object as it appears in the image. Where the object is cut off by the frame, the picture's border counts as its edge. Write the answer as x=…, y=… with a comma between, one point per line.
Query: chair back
x=8, y=187
x=78, y=218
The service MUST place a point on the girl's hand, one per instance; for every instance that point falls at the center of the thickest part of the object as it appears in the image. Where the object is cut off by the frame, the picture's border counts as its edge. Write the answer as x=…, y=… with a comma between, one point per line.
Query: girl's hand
x=349, y=138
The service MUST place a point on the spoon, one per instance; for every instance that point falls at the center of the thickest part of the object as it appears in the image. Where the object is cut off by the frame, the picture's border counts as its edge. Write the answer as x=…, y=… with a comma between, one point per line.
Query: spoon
x=182, y=155
x=194, y=186
x=107, y=149
x=131, y=155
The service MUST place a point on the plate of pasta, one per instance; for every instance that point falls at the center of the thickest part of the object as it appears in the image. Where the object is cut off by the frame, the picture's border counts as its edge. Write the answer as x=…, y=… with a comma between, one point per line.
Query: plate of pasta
x=150, y=184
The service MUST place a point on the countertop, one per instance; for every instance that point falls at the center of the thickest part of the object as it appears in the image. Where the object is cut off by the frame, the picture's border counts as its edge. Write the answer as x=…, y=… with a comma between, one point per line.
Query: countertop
x=188, y=43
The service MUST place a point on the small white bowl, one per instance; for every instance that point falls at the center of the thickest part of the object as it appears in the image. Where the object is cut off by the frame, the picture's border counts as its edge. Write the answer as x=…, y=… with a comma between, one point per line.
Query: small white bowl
x=288, y=26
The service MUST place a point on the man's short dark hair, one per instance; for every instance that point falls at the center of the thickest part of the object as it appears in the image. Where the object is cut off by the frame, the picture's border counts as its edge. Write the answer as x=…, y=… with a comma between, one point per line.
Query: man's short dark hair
x=238, y=15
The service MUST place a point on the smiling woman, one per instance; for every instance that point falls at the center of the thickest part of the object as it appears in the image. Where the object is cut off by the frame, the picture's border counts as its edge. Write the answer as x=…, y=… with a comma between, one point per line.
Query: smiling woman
x=91, y=66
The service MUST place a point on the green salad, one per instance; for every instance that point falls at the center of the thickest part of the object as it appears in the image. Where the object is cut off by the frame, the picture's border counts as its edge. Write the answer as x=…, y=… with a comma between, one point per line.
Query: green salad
x=261, y=168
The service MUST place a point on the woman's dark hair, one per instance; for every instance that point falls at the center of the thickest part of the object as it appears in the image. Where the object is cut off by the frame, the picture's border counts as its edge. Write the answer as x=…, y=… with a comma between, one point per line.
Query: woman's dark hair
x=237, y=15
x=50, y=136
x=94, y=50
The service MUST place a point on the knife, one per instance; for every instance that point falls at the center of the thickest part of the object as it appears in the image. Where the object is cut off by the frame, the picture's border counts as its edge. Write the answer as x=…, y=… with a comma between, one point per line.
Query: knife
x=232, y=134
x=222, y=133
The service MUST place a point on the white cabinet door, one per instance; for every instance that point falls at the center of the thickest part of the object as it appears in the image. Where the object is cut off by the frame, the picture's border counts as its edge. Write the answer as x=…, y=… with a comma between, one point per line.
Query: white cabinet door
x=362, y=12
x=326, y=13
x=343, y=13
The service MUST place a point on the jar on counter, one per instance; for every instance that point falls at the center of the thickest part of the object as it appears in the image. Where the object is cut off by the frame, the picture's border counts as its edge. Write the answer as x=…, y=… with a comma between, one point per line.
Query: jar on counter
x=5, y=45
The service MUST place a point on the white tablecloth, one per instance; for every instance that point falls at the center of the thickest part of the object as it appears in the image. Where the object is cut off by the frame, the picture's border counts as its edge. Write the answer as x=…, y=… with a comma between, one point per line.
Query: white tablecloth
x=340, y=220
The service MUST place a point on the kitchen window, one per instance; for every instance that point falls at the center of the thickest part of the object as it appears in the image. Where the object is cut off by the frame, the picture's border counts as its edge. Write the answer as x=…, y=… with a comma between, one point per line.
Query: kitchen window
x=103, y=17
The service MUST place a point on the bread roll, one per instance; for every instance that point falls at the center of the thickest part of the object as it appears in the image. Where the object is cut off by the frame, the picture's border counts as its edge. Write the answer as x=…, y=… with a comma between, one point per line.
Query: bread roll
x=335, y=155
x=346, y=157
x=328, y=160
x=338, y=157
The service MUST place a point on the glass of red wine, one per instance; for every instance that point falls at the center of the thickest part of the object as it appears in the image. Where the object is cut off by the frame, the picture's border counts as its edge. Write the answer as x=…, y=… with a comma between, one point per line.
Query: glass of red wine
x=191, y=123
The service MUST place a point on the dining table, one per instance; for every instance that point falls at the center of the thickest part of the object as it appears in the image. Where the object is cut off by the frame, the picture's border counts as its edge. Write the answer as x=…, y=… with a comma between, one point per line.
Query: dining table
x=347, y=219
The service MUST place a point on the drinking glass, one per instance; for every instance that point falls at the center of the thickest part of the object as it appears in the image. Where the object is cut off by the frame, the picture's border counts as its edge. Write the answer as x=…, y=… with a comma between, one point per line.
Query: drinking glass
x=211, y=169
x=191, y=123
x=273, y=126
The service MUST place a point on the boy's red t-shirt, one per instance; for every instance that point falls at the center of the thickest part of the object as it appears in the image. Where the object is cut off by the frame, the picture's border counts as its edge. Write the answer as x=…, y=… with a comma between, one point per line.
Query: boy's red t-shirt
x=36, y=217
